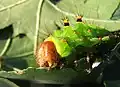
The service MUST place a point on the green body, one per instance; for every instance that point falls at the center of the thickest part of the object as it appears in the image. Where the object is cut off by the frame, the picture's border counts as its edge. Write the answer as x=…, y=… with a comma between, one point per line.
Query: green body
x=80, y=34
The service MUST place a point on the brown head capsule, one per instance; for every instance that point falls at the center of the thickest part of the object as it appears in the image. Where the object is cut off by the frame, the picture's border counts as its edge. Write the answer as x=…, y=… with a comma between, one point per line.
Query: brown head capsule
x=46, y=55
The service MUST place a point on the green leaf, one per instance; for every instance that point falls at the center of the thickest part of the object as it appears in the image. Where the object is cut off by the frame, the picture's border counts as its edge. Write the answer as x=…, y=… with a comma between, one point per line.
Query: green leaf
x=17, y=51
x=97, y=12
x=6, y=83
x=112, y=83
x=90, y=8
x=44, y=76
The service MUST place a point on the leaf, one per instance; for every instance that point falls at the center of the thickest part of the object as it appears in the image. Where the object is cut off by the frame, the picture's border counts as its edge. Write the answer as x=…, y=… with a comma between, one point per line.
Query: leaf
x=112, y=83
x=97, y=12
x=90, y=8
x=6, y=83
x=17, y=51
x=44, y=76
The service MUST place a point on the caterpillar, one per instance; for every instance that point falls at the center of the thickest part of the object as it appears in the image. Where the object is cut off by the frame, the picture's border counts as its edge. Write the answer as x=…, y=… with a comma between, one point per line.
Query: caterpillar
x=61, y=43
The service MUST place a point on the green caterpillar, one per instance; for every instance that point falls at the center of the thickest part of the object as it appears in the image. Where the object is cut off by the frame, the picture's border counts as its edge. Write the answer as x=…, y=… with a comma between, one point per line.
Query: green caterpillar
x=63, y=41
x=81, y=34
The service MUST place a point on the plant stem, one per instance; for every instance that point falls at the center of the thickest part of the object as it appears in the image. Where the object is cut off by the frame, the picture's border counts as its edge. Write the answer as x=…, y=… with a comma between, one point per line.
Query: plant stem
x=38, y=15
x=5, y=47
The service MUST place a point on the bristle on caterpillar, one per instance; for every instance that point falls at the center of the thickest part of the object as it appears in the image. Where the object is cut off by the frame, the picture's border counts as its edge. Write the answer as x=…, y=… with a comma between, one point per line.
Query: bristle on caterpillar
x=66, y=22
x=79, y=18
